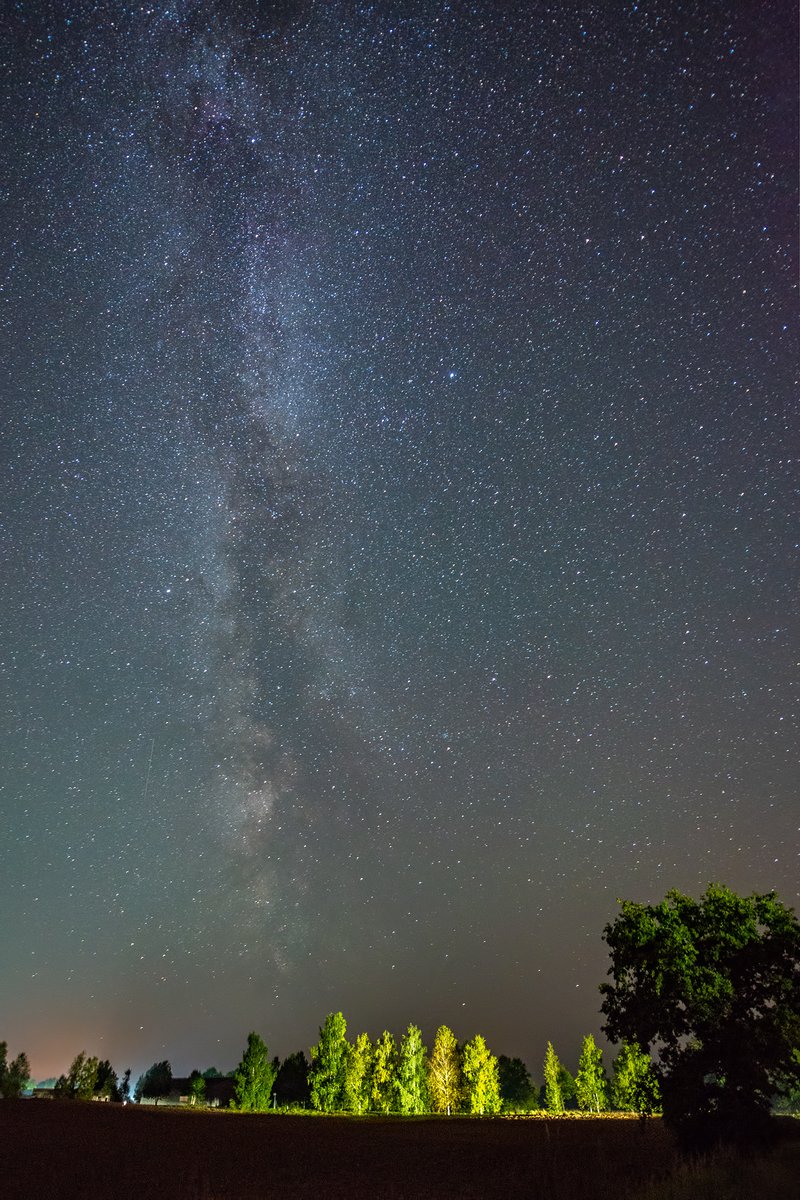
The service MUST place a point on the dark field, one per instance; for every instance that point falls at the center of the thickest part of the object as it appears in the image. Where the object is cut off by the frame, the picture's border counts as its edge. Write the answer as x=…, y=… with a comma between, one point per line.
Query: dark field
x=65, y=1150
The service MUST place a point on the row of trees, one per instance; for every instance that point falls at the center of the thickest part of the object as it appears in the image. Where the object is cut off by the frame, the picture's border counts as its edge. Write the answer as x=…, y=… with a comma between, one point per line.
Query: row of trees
x=91, y=1078
x=709, y=987
x=386, y=1076
x=380, y=1077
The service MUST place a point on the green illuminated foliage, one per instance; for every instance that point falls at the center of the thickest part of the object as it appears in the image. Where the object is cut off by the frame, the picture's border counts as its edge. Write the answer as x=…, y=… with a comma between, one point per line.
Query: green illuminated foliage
x=591, y=1085
x=634, y=1084
x=254, y=1077
x=444, y=1072
x=481, y=1083
x=412, y=1073
x=553, y=1074
x=328, y=1058
x=383, y=1081
x=357, y=1072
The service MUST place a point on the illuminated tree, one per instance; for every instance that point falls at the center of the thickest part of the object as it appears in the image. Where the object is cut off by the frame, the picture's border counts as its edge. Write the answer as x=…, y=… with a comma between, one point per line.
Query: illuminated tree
x=328, y=1057
x=197, y=1089
x=591, y=1084
x=713, y=986
x=479, y=1071
x=553, y=1094
x=357, y=1070
x=254, y=1077
x=634, y=1083
x=412, y=1075
x=383, y=1080
x=444, y=1072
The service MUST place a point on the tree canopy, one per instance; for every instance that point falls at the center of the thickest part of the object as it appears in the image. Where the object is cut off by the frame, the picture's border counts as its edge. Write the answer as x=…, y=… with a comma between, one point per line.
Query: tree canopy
x=553, y=1096
x=634, y=1084
x=291, y=1082
x=357, y=1075
x=383, y=1089
x=444, y=1072
x=14, y=1075
x=481, y=1082
x=591, y=1084
x=81, y=1080
x=516, y=1089
x=713, y=987
x=328, y=1059
x=156, y=1081
x=254, y=1076
x=412, y=1075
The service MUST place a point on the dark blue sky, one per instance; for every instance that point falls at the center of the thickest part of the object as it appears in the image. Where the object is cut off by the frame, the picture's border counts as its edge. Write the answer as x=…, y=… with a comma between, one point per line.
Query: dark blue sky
x=398, y=547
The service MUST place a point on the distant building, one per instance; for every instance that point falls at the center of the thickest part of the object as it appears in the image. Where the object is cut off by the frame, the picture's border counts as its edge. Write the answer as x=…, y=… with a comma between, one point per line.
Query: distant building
x=219, y=1093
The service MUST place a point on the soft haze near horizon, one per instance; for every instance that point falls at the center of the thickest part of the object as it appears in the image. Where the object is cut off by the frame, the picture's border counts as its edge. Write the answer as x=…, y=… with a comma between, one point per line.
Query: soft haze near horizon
x=398, y=554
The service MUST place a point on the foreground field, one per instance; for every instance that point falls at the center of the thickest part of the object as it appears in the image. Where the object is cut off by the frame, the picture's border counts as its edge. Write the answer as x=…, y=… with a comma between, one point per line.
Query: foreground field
x=65, y=1150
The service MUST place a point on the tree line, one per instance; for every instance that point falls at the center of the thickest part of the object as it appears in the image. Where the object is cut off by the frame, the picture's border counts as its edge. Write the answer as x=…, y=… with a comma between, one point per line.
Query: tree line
x=387, y=1076
x=704, y=1002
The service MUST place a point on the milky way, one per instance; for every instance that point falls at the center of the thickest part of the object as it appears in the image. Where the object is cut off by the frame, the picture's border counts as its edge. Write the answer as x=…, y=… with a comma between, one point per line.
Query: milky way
x=399, y=546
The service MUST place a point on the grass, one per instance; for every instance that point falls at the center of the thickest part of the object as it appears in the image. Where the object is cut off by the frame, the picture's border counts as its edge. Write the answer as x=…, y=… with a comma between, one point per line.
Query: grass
x=63, y=1150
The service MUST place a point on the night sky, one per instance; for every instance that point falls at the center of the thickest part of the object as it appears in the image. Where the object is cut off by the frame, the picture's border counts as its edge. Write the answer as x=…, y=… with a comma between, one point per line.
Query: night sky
x=399, y=516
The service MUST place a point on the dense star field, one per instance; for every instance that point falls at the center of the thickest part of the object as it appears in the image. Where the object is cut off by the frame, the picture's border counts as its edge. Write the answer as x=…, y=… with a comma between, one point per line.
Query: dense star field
x=398, y=545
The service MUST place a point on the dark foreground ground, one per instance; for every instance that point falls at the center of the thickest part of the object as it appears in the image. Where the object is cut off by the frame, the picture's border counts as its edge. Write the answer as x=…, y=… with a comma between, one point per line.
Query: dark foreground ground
x=60, y=1150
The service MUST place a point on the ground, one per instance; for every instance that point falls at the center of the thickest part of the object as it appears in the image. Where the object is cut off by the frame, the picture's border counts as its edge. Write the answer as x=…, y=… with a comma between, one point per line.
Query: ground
x=62, y=1150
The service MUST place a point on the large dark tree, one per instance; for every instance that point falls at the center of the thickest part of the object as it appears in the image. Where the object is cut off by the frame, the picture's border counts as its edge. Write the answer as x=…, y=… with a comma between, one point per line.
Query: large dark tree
x=80, y=1082
x=156, y=1082
x=107, y=1084
x=14, y=1076
x=516, y=1089
x=713, y=987
x=291, y=1082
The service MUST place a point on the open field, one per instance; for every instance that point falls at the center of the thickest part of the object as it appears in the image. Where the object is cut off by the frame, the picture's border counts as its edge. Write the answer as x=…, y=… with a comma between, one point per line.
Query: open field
x=61, y=1150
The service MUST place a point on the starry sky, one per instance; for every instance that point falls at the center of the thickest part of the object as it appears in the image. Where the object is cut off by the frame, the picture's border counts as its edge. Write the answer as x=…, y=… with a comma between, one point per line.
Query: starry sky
x=399, y=517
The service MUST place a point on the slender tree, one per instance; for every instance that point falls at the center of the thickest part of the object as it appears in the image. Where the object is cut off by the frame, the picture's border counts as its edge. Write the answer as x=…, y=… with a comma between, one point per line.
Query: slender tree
x=481, y=1082
x=634, y=1083
x=591, y=1084
x=197, y=1089
x=326, y=1076
x=553, y=1095
x=383, y=1081
x=444, y=1072
x=254, y=1077
x=357, y=1073
x=125, y=1086
x=412, y=1074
